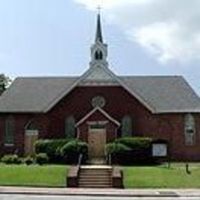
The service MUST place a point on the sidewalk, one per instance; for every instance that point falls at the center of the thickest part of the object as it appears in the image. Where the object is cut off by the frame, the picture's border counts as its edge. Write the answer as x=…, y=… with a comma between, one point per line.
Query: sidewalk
x=102, y=192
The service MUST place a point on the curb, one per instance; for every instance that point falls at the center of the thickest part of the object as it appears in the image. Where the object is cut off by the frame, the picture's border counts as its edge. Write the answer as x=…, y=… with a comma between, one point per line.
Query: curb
x=87, y=194
x=100, y=193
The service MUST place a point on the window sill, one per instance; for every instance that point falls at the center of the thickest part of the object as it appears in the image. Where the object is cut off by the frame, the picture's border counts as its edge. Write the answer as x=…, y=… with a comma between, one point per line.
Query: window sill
x=9, y=145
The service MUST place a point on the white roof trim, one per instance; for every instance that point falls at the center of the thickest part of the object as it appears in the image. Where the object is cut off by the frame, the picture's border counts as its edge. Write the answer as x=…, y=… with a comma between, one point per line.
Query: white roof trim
x=100, y=110
x=64, y=93
x=177, y=111
x=109, y=72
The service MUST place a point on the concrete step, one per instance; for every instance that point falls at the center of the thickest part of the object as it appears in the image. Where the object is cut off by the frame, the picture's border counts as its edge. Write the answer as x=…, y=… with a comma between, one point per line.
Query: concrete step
x=96, y=175
x=94, y=178
x=91, y=177
x=95, y=183
x=96, y=168
x=96, y=171
x=95, y=186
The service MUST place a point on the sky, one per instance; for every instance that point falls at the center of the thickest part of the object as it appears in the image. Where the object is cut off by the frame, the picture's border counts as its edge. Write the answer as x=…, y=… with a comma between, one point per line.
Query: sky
x=144, y=37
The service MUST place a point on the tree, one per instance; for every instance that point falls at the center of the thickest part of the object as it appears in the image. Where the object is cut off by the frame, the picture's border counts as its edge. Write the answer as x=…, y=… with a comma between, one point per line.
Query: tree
x=4, y=82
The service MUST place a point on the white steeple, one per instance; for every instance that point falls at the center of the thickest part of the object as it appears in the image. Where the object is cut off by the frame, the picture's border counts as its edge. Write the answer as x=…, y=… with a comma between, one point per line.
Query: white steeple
x=99, y=49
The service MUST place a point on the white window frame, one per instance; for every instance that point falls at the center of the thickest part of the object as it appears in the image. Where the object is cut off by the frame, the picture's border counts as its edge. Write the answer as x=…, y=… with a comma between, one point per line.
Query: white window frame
x=9, y=126
x=190, y=130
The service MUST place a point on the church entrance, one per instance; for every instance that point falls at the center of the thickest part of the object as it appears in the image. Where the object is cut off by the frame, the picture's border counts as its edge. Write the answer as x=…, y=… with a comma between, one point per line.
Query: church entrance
x=31, y=136
x=96, y=141
x=97, y=128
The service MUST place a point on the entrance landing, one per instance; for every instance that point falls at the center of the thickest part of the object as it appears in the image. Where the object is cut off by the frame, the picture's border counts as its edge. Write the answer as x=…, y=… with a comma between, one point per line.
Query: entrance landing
x=96, y=167
x=97, y=161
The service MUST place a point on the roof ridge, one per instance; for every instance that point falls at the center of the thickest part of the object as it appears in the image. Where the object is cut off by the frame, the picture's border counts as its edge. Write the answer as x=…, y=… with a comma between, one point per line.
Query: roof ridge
x=45, y=77
x=150, y=76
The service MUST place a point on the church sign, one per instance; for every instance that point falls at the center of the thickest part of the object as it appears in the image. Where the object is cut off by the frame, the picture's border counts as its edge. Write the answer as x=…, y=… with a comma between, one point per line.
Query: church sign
x=159, y=149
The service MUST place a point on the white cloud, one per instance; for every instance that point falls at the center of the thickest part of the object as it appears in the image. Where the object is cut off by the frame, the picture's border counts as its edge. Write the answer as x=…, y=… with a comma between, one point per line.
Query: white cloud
x=169, y=29
x=109, y=4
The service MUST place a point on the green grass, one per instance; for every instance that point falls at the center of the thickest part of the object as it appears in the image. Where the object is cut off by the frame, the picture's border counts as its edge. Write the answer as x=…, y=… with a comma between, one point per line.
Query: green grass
x=162, y=177
x=33, y=175
x=134, y=177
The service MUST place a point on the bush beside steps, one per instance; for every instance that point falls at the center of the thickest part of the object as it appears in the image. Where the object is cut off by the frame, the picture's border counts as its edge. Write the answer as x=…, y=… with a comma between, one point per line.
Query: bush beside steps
x=130, y=150
x=64, y=151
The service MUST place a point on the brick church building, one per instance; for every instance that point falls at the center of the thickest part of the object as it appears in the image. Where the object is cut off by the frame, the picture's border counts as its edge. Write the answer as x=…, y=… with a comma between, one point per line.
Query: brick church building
x=98, y=107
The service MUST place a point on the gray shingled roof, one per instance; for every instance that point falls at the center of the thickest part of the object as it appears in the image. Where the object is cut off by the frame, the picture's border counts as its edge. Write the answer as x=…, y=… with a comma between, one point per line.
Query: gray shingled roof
x=166, y=94
x=33, y=94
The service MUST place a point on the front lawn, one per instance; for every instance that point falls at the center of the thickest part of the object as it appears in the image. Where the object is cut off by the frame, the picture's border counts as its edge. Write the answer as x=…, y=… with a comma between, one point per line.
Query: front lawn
x=134, y=177
x=162, y=177
x=33, y=175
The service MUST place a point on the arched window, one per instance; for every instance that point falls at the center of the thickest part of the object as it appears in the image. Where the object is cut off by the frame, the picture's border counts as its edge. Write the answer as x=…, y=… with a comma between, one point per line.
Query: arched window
x=70, y=127
x=190, y=129
x=9, y=130
x=126, y=129
x=98, y=55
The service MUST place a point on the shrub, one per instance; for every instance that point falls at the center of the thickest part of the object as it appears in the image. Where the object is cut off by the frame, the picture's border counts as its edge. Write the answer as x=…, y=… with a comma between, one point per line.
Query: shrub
x=11, y=159
x=130, y=150
x=51, y=148
x=62, y=150
x=28, y=160
x=74, y=146
x=73, y=149
x=135, y=142
x=42, y=158
x=115, y=147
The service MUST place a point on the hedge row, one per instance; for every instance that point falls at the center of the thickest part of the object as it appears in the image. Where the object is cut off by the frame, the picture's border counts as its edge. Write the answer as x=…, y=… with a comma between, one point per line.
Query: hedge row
x=40, y=159
x=62, y=150
x=130, y=150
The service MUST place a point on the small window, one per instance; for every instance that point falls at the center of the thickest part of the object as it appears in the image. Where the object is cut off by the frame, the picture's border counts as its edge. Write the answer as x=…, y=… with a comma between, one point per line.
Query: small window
x=97, y=126
x=70, y=127
x=190, y=130
x=126, y=126
x=98, y=101
x=9, y=131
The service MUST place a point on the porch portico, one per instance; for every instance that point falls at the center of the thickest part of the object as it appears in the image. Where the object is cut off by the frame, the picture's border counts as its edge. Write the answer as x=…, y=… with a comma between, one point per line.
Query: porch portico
x=97, y=128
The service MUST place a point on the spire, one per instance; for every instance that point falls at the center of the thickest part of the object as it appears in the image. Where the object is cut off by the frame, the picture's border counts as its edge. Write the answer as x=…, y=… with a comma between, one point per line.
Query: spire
x=99, y=50
x=99, y=37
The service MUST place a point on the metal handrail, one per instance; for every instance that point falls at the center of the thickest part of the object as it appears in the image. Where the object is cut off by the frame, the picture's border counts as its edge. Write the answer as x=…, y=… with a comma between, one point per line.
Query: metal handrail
x=109, y=159
x=80, y=158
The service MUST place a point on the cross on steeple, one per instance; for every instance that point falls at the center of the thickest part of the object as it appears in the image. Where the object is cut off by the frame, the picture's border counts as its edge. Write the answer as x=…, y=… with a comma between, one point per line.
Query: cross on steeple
x=99, y=9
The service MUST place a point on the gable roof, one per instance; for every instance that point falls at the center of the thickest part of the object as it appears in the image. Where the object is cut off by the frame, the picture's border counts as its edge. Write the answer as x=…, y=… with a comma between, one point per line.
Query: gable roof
x=167, y=94
x=33, y=94
x=160, y=94
x=104, y=76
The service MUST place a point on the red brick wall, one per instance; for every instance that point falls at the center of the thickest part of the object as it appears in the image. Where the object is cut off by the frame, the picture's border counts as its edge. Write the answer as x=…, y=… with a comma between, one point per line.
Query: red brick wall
x=118, y=103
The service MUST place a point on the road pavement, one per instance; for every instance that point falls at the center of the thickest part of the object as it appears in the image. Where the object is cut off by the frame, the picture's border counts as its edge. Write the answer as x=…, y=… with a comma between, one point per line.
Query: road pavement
x=22, y=193
x=42, y=197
